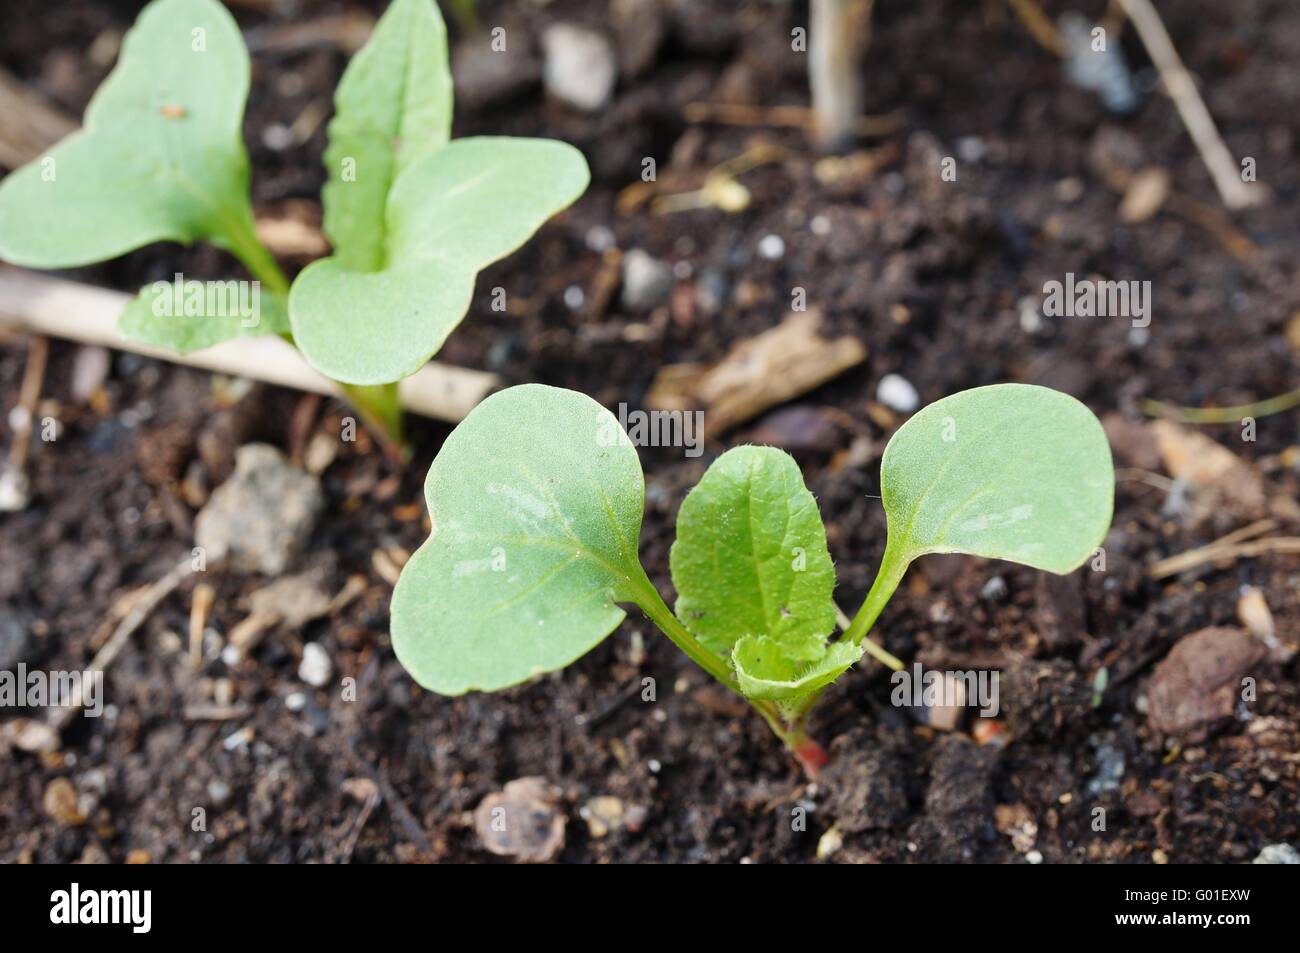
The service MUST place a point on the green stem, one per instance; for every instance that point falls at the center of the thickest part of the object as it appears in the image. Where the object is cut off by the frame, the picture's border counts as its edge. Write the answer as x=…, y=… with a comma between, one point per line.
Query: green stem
x=381, y=411
x=652, y=604
x=645, y=595
x=874, y=649
x=890, y=574
x=261, y=264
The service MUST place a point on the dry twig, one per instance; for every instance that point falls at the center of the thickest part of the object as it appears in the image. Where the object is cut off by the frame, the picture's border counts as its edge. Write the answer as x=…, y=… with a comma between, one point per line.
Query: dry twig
x=88, y=314
x=1227, y=548
x=1223, y=168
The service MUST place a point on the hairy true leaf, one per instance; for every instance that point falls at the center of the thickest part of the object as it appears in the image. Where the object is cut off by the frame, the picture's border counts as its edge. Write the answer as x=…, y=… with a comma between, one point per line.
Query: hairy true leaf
x=160, y=157
x=216, y=312
x=750, y=556
x=536, y=502
x=448, y=216
x=1010, y=471
x=392, y=107
x=765, y=671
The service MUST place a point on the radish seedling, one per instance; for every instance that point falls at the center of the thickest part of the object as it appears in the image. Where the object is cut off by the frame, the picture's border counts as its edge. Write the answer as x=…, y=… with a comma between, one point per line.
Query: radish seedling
x=412, y=215
x=536, y=502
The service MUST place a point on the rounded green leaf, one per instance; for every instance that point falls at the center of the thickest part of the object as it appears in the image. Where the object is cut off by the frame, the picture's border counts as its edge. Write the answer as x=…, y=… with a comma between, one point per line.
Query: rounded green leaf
x=1010, y=471
x=161, y=156
x=449, y=215
x=536, y=502
x=750, y=556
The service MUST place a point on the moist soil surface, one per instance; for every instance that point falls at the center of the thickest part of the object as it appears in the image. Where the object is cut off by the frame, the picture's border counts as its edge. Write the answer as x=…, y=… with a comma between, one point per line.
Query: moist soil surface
x=942, y=282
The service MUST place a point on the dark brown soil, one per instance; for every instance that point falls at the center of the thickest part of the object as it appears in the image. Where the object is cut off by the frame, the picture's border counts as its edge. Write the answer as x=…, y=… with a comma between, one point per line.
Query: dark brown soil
x=929, y=275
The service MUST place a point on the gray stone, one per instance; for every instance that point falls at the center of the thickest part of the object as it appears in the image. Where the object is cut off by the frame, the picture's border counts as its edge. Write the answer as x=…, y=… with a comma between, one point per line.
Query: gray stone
x=579, y=68
x=646, y=281
x=1278, y=854
x=260, y=518
x=1110, y=770
x=315, y=668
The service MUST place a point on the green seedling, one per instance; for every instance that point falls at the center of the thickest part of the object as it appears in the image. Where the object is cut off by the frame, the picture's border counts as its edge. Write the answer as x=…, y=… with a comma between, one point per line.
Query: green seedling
x=536, y=502
x=412, y=215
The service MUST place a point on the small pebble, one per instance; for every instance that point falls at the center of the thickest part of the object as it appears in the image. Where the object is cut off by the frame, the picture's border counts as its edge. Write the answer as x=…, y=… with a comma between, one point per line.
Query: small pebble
x=60, y=803
x=277, y=137
x=995, y=590
x=261, y=517
x=829, y=843
x=971, y=148
x=647, y=281
x=219, y=792
x=771, y=247
x=579, y=67
x=1278, y=854
x=897, y=393
x=14, y=490
x=600, y=238
x=30, y=734
x=315, y=668
x=1110, y=770
x=1031, y=320
x=603, y=814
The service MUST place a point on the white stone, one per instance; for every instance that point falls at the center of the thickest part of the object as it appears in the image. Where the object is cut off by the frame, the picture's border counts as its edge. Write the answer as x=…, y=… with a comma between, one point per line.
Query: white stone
x=579, y=69
x=315, y=668
x=897, y=393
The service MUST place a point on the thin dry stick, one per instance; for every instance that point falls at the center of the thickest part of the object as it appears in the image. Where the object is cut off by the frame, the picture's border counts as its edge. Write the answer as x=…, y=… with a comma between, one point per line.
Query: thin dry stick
x=368, y=805
x=1274, y=544
x=1137, y=475
x=200, y=604
x=790, y=117
x=396, y=806
x=84, y=313
x=839, y=31
x=1223, y=168
x=1042, y=29
x=1229, y=546
x=1114, y=19
x=38, y=352
x=141, y=609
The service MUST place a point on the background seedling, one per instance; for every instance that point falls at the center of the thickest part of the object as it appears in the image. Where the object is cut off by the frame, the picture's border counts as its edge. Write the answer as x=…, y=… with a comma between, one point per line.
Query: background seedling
x=412, y=215
x=536, y=502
